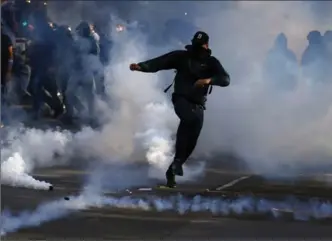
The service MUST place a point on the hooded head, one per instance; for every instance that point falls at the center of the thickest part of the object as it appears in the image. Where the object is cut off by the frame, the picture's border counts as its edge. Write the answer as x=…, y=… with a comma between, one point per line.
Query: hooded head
x=281, y=41
x=328, y=36
x=314, y=37
x=200, y=39
x=200, y=45
x=328, y=41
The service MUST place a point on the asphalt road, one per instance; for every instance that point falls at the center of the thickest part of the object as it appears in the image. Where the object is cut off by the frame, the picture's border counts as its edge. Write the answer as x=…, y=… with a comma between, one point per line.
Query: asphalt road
x=125, y=224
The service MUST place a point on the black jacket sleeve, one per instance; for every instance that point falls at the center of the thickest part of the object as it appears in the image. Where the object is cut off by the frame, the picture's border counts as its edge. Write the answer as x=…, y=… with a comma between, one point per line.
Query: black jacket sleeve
x=220, y=77
x=165, y=62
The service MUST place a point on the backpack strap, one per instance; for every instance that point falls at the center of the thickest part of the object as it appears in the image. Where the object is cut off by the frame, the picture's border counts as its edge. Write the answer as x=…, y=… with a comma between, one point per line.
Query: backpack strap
x=210, y=89
x=168, y=87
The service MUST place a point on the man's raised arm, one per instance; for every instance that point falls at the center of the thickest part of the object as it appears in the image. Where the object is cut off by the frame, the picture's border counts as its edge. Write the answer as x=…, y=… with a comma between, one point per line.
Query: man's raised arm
x=163, y=62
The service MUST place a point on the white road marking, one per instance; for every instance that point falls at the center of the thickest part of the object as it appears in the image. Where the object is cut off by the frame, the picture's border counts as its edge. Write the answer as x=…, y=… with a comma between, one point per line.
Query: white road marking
x=282, y=210
x=232, y=183
x=145, y=189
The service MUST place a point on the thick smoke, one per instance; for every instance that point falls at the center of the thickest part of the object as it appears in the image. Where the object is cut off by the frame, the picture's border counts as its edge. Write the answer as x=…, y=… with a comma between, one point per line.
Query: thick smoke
x=272, y=130
x=140, y=126
x=268, y=128
x=26, y=149
x=249, y=206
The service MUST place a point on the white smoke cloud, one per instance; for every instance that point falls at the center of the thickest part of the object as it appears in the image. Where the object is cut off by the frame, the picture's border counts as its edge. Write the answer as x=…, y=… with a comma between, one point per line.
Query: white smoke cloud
x=140, y=126
x=268, y=129
x=27, y=149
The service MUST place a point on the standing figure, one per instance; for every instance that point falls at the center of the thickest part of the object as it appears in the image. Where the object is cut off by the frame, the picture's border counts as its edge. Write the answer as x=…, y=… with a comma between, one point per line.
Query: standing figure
x=196, y=72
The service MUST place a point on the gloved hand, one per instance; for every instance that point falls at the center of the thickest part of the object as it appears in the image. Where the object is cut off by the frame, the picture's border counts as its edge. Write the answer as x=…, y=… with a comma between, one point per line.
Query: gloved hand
x=134, y=67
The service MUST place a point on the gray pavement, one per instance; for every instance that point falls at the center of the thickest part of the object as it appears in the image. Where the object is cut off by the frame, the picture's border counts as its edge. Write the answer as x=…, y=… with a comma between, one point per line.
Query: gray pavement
x=123, y=224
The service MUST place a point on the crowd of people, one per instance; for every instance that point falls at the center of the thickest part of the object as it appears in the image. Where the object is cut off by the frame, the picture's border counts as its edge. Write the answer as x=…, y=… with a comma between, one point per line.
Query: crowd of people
x=63, y=69
x=284, y=70
x=56, y=66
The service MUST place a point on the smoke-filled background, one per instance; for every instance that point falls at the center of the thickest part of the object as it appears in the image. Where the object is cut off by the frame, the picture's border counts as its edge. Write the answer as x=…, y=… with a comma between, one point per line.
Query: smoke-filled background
x=270, y=130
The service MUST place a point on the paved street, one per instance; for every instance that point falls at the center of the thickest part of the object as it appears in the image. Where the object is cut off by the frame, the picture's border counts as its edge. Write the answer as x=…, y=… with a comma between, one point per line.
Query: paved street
x=124, y=224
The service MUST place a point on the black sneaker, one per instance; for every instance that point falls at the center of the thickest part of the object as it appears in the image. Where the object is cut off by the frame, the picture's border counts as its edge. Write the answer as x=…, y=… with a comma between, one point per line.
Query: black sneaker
x=170, y=177
x=177, y=168
x=171, y=182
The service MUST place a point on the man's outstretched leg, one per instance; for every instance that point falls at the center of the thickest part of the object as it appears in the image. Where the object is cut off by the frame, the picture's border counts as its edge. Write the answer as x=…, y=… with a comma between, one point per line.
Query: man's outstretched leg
x=175, y=168
x=186, y=138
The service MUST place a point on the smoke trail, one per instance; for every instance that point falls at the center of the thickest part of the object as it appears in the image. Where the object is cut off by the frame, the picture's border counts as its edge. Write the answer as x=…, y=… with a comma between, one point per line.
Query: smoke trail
x=26, y=149
x=13, y=173
x=301, y=211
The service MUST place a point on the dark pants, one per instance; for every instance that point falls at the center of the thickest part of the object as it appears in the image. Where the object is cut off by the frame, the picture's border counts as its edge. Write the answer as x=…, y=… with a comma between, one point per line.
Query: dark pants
x=191, y=122
x=43, y=82
x=84, y=81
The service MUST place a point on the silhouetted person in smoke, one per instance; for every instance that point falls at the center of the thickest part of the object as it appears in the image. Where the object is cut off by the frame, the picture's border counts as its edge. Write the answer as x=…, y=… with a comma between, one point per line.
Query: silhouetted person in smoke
x=314, y=59
x=65, y=61
x=8, y=19
x=105, y=45
x=86, y=57
x=7, y=59
x=327, y=38
x=281, y=66
x=197, y=72
x=42, y=57
x=104, y=56
x=21, y=74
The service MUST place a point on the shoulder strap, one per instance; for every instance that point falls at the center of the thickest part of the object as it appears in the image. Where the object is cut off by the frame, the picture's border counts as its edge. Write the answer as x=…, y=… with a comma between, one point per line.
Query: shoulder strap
x=210, y=89
x=168, y=87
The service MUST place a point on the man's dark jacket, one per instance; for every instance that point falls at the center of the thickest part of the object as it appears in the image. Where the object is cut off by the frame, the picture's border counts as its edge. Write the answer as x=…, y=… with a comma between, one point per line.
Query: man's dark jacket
x=191, y=65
